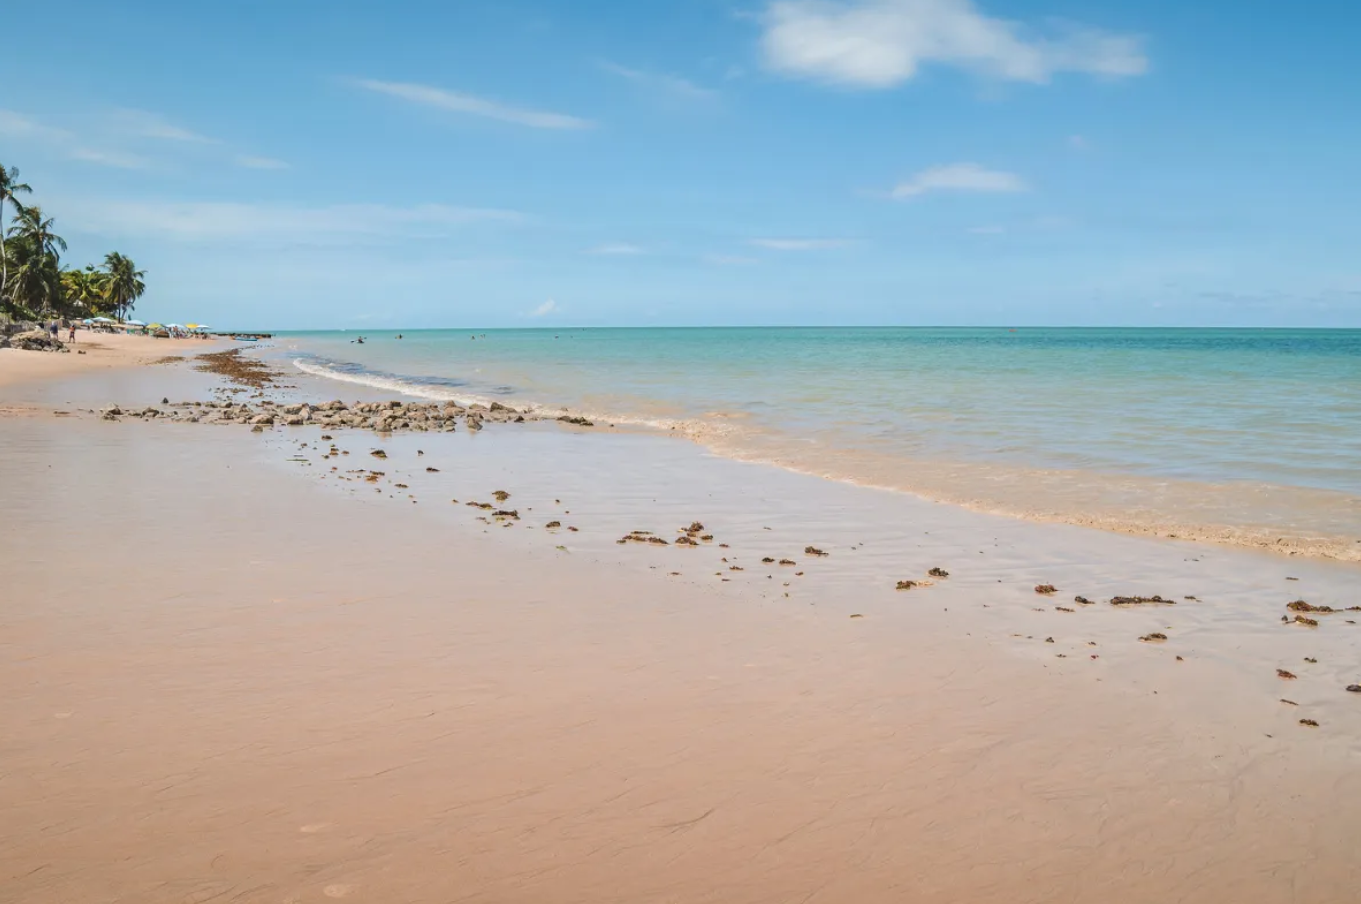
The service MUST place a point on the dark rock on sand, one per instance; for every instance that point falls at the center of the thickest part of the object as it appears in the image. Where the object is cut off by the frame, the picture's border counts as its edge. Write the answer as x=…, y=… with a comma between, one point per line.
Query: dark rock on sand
x=1046, y=589
x=1155, y=637
x=938, y=573
x=905, y=585
x=1141, y=601
x=1288, y=676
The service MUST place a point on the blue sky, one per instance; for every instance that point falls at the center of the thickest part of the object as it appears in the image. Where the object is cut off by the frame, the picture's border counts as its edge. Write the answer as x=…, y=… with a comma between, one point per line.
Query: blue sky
x=406, y=164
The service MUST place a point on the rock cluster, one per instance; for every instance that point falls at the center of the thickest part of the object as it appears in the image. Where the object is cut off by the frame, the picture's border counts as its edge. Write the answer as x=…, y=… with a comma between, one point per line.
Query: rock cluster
x=382, y=417
x=32, y=341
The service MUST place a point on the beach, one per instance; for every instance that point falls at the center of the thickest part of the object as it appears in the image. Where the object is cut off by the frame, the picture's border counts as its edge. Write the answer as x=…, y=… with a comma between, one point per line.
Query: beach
x=277, y=666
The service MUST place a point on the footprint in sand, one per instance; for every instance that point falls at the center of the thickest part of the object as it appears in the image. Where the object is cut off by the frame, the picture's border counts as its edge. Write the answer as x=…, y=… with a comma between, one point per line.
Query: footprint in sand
x=337, y=891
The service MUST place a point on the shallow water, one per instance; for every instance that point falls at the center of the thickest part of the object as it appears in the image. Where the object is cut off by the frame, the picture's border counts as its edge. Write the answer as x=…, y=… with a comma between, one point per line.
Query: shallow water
x=1249, y=436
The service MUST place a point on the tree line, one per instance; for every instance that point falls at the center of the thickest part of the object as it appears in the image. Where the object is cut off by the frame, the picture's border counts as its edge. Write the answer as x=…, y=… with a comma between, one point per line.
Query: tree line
x=33, y=284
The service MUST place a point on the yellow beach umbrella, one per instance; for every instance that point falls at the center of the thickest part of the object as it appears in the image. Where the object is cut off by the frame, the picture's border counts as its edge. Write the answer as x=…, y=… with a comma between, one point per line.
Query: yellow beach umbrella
x=191, y=326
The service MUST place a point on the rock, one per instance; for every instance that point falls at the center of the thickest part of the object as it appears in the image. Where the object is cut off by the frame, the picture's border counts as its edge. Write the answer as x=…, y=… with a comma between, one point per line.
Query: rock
x=1141, y=601
x=35, y=341
x=500, y=495
x=1354, y=688
x=294, y=420
x=813, y=551
x=553, y=524
x=938, y=573
x=1282, y=673
x=1082, y=601
x=497, y=406
x=1309, y=723
x=578, y=421
x=266, y=420
x=905, y=585
x=1155, y=637
x=378, y=453
x=1045, y=589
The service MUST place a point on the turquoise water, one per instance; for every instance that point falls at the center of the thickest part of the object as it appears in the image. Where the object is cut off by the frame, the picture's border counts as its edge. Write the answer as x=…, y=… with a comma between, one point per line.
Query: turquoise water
x=1113, y=422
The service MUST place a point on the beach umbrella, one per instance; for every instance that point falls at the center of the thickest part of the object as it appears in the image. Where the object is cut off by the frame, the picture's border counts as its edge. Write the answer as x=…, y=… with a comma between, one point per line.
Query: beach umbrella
x=156, y=326
x=202, y=327
x=191, y=326
x=103, y=320
x=134, y=323
x=87, y=320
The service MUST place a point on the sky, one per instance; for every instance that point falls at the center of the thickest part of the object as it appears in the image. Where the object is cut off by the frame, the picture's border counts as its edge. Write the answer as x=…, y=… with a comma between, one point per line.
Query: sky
x=277, y=164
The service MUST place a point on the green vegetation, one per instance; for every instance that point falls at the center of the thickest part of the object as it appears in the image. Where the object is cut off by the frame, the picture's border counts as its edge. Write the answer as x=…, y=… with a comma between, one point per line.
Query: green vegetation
x=32, y=283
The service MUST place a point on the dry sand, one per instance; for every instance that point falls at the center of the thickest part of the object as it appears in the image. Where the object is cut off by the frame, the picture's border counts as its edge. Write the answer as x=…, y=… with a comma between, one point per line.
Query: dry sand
x=102, y=352
x=223, y=683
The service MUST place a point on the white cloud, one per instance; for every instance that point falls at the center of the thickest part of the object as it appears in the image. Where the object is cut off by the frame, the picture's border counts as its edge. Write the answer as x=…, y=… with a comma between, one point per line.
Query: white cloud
x=959, y=177
x=109, y=158
x=799, y=244
x=548, y=307
x=220, y=221
x=252, y=162
x=670, y=84
x=16, y=125
x=615, y=248
x=466, y=103
x=152, y=125
x=882, y=43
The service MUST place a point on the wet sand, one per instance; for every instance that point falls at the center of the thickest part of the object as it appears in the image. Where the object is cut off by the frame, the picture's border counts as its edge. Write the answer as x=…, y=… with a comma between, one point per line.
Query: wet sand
x=235, y=683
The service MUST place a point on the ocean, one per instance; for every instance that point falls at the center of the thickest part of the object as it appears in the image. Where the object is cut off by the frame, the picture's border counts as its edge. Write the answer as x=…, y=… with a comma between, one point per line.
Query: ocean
x=1247, y=436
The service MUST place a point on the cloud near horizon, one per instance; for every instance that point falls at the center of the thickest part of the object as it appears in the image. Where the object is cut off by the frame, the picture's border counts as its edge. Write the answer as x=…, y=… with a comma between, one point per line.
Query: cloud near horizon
x=548, y=307
x=217, y=221
x=959, y=177
x=799, y=244
x=453, y=101
x=883, y=43
x=616, y=248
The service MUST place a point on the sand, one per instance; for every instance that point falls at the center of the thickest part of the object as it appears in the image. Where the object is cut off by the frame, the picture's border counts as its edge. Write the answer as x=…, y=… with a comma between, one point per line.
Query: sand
x=235, y=682
x=102, y=352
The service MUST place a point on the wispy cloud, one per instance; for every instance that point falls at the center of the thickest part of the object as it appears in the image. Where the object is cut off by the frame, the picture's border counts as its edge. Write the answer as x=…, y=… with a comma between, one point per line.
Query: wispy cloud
x=799, y=244
x=958, y=177
x=219, y=221
x=662, y=82
x=882, y=43
x=109, y=158
x=152, y=125
x=266, y=163
x=615, y=248
x=548, y=307
x=17, y=125
x=440, y=99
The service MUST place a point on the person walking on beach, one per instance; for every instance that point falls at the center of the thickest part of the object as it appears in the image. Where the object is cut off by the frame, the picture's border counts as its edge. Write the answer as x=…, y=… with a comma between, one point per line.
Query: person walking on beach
x=71, y=332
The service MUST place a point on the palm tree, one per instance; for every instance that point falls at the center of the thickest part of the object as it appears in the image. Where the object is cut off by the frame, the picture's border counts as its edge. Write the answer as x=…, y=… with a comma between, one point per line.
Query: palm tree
x=124, y=285
x=38, y=277
x=9, y=187
x=84, y=289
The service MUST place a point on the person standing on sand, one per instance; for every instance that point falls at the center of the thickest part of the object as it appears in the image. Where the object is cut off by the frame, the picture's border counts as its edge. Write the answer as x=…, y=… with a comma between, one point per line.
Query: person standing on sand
x=71, y=333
